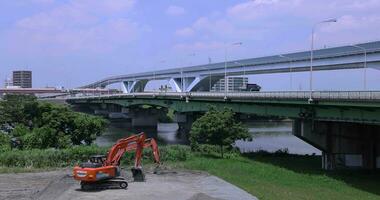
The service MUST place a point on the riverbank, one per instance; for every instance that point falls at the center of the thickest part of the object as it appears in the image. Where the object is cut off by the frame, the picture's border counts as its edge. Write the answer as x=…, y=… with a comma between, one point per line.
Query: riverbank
x=288, y=177
x=266, y=176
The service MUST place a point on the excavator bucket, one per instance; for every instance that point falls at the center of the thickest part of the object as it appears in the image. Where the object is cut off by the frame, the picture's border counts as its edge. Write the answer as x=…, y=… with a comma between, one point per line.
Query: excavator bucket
x=138, y=175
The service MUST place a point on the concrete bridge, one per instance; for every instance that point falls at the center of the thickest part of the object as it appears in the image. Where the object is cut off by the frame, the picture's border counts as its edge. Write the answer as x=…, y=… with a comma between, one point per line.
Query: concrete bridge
x=201, y=77
x=345, y=126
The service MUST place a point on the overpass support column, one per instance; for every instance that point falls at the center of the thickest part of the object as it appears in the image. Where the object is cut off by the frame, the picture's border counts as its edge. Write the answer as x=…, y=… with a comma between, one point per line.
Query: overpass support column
x=198, y=83
x=134, y=86
x=343, y=145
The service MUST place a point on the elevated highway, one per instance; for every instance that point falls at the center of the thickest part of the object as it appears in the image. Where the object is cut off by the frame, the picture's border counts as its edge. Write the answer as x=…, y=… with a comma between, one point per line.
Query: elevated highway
x=198, y=78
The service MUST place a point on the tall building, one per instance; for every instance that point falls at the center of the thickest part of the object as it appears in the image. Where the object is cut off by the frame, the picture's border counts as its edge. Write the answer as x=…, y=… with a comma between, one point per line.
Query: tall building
x=22, y=79
x=234, y=84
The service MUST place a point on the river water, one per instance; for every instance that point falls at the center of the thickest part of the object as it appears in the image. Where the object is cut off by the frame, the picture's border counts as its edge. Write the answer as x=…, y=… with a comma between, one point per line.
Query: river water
x=267, y=136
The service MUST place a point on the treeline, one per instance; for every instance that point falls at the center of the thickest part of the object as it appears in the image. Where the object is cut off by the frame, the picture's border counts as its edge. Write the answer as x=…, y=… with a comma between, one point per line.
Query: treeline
x=26, y=123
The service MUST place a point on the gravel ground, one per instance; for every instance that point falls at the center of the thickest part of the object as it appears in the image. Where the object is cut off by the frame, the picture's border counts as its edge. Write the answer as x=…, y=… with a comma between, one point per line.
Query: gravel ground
x=169, y=185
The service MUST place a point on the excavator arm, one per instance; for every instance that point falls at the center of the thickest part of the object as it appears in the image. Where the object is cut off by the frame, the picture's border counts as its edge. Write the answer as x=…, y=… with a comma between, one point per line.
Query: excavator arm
x=139, y=150
x=136, y=142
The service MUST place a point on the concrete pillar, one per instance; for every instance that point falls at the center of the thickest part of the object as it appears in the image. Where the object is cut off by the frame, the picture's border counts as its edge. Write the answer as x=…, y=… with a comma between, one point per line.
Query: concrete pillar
x=149, y=117
x=344, y=145
x=185, y=121
x=143, y=117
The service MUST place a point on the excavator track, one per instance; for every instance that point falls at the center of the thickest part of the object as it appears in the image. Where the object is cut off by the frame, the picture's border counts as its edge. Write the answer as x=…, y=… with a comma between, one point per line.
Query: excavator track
x=114, y=183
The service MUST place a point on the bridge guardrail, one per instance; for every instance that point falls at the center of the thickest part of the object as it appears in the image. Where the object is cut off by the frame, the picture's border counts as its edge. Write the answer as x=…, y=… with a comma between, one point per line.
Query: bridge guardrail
x=296, y=95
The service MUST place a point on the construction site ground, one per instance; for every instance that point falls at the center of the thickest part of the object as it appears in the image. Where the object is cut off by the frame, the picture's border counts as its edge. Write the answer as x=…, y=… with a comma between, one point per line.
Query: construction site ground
x=166, y=185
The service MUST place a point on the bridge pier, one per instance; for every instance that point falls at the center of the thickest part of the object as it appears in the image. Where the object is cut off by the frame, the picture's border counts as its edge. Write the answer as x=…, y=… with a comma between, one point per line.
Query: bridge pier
x=146, y=117
x=185, y=121
x=343, y=145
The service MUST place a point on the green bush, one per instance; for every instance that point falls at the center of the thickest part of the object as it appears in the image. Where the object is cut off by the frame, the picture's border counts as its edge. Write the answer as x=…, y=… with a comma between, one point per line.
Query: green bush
x=5, y=142
x=20, y=130
x=41, y=138
x=41, y=158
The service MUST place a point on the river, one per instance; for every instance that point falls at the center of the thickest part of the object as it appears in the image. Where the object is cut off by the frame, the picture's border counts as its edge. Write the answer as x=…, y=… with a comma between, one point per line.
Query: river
x=267, y=136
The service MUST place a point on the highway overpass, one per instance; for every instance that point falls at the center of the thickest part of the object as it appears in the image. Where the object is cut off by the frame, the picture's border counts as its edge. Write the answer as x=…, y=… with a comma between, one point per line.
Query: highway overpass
x=198, y=78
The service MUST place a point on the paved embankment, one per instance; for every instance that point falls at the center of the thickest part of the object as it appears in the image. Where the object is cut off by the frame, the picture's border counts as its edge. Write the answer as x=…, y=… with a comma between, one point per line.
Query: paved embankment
x=179, y=185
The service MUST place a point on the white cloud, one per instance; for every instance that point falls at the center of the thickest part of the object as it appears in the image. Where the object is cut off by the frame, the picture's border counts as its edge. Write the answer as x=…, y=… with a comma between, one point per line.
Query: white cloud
x=185, y=32
x=276, y=21
x=199, y=46
x=350, y=29
x=79, y=25
x=175, y=10
x=43, y=1
x=252, y=9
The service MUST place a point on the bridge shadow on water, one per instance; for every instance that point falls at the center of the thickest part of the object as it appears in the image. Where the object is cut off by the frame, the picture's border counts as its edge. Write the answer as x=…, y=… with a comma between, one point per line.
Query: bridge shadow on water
x=364, y=180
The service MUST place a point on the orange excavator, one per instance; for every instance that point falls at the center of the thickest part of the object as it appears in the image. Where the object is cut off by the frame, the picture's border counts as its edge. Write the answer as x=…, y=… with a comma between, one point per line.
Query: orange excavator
x=104, y=171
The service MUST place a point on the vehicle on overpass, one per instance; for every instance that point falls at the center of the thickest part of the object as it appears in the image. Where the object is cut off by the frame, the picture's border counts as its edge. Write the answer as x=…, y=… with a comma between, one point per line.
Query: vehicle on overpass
x=252, y=87
x=104, y=171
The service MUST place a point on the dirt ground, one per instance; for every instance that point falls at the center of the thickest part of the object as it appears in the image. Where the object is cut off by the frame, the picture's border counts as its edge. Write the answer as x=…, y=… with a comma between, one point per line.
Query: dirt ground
x=168, y=185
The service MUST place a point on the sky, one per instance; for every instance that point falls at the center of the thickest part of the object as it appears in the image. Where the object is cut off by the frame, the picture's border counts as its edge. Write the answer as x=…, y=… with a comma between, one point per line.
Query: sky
x=74, y=42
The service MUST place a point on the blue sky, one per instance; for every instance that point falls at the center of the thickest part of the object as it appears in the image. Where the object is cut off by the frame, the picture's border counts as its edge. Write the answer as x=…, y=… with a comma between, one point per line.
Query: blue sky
x=74, y=42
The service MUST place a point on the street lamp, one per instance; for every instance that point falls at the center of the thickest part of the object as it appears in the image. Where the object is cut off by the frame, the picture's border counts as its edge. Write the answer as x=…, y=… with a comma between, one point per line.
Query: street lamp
x=365, y=65
x=312, y=54
x=181, y=79
x=225, y=66
x=290, y=69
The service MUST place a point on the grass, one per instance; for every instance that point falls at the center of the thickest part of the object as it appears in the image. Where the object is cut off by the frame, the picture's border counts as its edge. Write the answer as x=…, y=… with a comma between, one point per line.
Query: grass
x=288, y=177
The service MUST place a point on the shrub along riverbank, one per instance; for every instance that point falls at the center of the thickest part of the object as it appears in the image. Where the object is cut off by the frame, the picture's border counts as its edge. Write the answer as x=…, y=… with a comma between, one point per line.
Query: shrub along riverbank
x=267, y=176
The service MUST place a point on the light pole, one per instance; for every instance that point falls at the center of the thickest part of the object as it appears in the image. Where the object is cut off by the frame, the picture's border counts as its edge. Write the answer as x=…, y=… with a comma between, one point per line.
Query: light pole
x=290, y=69
x=312, y=54
x=365, y=66
x=225, y=66
x=181, y=79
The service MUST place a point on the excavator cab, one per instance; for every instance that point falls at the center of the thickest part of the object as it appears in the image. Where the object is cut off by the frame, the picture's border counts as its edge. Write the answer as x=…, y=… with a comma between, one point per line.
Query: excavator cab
x=98, y=159
x=94, y=162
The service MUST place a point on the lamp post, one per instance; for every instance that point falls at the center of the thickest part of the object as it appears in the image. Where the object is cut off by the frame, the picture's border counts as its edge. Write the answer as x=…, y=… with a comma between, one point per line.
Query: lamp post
x=312, y=54
x=365, y=65
x=290, y=69
x=225, y=66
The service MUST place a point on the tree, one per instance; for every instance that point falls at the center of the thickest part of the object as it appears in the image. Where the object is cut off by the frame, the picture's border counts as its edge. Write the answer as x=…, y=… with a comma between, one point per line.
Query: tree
x=87, y=128
x=45, y=125
x=217, y=128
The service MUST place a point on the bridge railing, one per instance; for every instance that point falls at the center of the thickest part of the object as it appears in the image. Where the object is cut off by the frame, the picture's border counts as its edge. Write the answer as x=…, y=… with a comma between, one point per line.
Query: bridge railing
x=325, y=95
x=281, y=95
